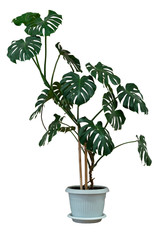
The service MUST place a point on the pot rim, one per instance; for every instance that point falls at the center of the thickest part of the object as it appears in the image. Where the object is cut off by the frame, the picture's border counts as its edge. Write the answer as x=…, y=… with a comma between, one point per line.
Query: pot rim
x=99, y=190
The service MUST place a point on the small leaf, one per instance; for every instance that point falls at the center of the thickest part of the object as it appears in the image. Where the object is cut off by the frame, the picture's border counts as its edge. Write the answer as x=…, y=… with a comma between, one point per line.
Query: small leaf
x=43, y=140
x=143, y=152
x=71, y=60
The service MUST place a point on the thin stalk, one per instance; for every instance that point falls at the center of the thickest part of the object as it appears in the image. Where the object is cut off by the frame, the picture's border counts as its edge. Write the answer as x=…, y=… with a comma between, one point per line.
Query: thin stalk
x=45, y=57
x=55, y=69
x=101, y=110
x=79, y=154
x=39, y=68
x=113, y=149
x=97, y=114
x=86, y=167
x=125, y=143
x=42, y=119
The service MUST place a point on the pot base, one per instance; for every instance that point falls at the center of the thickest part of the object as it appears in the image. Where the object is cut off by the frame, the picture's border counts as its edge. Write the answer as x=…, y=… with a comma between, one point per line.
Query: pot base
x=86, y=220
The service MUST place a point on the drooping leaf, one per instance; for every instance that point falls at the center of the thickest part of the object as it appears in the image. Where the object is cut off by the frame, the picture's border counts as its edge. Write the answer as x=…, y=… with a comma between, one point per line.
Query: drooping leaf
x=24, y=50
x=115, y=117
x=53, y=128
x=36, y=26
x=71, y=60
x=77, y=90
x=103, y=73
x=96, y=136
x=131, y=98
x=45, y=96
x=143, y=152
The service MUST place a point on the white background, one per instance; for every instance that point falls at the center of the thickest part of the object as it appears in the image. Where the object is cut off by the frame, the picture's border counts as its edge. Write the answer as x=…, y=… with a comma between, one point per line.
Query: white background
x=124, y=35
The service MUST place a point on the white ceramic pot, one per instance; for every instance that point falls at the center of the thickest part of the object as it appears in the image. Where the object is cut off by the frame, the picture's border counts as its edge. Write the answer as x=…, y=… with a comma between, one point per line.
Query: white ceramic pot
x=87, y=205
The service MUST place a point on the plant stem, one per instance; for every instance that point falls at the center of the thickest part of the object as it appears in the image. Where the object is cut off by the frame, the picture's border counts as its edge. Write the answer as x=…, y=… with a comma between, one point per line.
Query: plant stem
x=42, y=119
x=55, y=69
x=113, y=149
x=45, y=58
x=39, y=68
x=97, y=114
x=79, y=153
x=86, y=167
x=125, y=143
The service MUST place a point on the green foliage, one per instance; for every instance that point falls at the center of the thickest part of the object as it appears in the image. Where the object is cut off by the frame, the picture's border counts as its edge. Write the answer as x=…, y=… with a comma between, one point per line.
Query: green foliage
x=77, y=90
x=143, y=152
x=71, y=60
x=96, y=136
x=53, y=128
x=45, y=96
x=115, y=117
x=131, y=98
x=103, y=73
x=36, y=26
x=24, y=50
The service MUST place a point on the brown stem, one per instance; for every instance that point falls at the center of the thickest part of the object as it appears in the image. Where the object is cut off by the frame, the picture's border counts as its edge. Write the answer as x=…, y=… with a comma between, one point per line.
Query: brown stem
x=79, y=153
x=91, y=169
x=86, y=167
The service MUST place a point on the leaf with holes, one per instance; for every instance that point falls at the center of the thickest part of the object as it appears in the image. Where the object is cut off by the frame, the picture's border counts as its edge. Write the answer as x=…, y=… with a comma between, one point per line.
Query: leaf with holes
x=143, y=152
x=71, y=60
x=77, y=90
x=24, y=50
x=53, y=128
x=36, y=26
x=115, y=117
x=132, y=98
x=96, y=136
x=103, y=73
x=45, y=96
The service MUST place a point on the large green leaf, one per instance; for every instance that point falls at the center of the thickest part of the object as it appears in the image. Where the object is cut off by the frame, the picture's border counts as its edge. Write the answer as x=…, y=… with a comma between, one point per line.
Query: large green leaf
x=96, y=136
x=115, y=117
x=24, y=50
x=53, y=128
x=77, y=90
x=71, y=60
x=103, y=73
x=132, y=98
x=142, y=149
x=36, y=26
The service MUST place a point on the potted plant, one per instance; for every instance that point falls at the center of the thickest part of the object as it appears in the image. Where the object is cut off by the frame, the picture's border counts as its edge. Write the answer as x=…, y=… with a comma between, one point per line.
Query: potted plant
x=73, y=90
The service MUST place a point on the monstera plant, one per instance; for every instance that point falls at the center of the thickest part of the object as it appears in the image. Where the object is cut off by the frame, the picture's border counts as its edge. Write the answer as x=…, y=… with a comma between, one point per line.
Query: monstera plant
x=73, y=90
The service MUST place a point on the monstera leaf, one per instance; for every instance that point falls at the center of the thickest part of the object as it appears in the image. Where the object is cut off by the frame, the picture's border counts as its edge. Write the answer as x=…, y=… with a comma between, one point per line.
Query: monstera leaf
x=142, y=149
x=132, y=98
x=24, y=50
x=53, y=128
x=71, y=60
x=77, y=90
x=103, y=73
x=45, y=96
x=97, y=138
x=115, y=117
x=36, y=26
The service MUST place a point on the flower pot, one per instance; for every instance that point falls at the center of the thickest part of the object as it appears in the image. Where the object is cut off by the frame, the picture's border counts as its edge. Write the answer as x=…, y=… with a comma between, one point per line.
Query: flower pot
x=87, y=205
